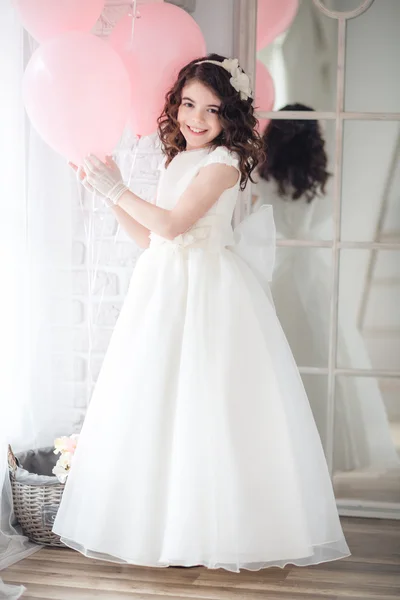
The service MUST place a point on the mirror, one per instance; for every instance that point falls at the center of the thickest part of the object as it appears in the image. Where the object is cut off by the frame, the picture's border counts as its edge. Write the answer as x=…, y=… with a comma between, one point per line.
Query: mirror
x=303, y=60
x=316, y=387
x=366, y=455
x=342, y=5
x=371, y=181
x=303, y=64
x=301, y=288
x=372, y=55
x=369, y=316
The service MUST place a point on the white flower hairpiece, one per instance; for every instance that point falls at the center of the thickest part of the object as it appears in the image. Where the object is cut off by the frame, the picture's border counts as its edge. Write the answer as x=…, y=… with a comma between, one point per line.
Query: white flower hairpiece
x=239, y=80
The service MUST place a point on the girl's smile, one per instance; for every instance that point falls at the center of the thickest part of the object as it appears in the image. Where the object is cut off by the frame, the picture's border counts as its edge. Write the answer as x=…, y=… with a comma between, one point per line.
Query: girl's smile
x=196, y=131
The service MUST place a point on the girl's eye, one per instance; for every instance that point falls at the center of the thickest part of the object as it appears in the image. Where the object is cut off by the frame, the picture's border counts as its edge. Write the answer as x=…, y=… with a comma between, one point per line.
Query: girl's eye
x=187, y=104
x=214, y=111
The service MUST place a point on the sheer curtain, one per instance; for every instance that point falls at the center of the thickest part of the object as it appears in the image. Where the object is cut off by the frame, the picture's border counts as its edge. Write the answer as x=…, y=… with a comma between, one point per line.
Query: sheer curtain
x=47, y=332
x=38, y=191
x=15, y=415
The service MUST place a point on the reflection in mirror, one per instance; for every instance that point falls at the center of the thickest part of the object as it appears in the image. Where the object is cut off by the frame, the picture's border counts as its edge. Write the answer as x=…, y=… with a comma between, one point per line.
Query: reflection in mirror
x=371, y=181
x=301, y=289
x=296, y=176
x=303, y=60
x=369, y=316
x=316, y=387
x=366, y=440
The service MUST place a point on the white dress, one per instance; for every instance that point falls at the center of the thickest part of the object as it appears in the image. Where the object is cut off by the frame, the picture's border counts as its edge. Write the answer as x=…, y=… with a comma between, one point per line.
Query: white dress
x=199, y=446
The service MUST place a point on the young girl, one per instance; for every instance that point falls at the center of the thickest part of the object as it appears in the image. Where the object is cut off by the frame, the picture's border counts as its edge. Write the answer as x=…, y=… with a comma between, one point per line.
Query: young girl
x=199, y=446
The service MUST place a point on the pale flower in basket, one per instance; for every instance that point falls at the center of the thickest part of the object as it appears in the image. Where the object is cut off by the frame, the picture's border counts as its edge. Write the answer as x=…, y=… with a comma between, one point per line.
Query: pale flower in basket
x=65, y=446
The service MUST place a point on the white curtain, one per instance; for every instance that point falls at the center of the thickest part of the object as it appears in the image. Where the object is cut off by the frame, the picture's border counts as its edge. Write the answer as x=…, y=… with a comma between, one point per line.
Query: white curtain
x=38, y=192
x=15, y=414
x=46, y=374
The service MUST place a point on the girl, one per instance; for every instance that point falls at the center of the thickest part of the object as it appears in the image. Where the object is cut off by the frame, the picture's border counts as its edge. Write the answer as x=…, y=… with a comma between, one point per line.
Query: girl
x=293, y=178
x=199, y=446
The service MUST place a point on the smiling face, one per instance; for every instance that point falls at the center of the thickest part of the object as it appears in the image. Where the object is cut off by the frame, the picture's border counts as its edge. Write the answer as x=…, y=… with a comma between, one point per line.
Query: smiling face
x=198, y=115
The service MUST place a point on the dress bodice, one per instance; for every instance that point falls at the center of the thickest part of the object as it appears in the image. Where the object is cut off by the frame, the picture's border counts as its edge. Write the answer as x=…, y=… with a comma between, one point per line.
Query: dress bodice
x=214, y=229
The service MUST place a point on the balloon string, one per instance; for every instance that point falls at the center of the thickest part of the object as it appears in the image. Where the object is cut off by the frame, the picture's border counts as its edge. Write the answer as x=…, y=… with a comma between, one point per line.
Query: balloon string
x=134, y=14
x=88, y=230
x=90, y=247
x=133, y=163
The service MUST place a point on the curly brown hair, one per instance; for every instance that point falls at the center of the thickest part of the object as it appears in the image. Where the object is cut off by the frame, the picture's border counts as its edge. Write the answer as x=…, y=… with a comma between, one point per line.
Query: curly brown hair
x=236, y=116
x=295, y=156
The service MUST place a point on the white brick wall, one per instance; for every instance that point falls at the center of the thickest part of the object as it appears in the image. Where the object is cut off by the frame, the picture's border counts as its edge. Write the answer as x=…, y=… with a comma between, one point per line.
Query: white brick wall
x=99, y=243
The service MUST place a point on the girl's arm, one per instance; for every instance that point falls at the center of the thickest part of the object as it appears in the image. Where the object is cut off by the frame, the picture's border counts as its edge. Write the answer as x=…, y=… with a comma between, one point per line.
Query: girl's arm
x=135, y=230
x=197, y=199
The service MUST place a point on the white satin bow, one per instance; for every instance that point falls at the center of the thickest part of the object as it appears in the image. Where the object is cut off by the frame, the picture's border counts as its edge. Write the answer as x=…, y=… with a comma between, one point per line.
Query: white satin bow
x=255, y=241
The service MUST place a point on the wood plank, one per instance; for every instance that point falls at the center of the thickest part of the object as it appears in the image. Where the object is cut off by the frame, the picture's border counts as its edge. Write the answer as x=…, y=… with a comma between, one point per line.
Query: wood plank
x=371, y=573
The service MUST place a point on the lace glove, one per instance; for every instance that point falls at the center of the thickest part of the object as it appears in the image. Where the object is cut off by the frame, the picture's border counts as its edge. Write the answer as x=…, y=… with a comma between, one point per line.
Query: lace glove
x=104, y=178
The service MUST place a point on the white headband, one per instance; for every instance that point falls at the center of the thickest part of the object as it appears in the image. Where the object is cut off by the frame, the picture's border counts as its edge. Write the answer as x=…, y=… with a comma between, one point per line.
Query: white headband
x=239, y=80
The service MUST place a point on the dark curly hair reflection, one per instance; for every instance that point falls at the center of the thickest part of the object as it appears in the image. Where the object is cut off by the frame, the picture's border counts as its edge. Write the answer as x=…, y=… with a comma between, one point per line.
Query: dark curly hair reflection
x=295, y=156
x=236, y=116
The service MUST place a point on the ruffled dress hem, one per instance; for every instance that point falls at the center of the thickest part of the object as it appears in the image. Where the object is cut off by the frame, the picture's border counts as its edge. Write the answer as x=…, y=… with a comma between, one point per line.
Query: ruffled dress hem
x=337, y=551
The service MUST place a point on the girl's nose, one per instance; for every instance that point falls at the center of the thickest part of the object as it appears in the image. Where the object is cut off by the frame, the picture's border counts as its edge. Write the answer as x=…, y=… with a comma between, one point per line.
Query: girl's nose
x=198, y=116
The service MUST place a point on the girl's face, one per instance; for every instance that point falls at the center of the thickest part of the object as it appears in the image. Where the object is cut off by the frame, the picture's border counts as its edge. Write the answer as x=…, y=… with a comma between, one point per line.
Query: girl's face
x=198, y=115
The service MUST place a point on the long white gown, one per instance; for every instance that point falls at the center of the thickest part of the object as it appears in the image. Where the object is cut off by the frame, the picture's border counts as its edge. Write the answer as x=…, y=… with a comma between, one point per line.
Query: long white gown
x=199, y=446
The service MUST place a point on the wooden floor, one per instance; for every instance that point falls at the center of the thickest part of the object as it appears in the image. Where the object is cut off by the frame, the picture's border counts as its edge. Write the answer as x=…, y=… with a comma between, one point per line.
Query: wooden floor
x=371, y=573
x=368, y=485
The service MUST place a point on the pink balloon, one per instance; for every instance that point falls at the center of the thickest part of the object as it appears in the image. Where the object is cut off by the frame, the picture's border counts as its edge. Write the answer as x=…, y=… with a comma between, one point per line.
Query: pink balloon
x=77, y=95
x=265, y=92
x=166, y=38
x=45, y=19
x=273, y=18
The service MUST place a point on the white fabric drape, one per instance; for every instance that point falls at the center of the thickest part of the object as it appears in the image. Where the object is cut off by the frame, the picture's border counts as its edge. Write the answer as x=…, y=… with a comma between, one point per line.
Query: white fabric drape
x=44, y=211
x=38, y=192
x=14, y=387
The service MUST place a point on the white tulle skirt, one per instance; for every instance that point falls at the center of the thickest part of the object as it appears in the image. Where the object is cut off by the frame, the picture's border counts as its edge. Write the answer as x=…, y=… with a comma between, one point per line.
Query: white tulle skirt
x=199, y=446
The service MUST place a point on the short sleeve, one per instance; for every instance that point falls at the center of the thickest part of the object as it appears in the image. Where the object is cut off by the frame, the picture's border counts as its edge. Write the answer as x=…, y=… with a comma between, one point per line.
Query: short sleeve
x=222, y=155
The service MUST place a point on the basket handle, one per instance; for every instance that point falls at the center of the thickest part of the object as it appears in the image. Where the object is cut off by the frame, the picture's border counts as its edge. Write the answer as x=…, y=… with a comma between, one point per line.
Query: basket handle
x=12, y=461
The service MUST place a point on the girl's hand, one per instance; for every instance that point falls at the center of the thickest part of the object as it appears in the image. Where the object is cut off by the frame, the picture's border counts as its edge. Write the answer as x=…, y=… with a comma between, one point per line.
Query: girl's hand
x=81, y=177
x=105, y=178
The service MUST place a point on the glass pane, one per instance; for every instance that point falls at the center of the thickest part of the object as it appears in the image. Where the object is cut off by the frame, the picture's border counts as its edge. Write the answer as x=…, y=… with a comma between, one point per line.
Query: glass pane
x=342, y=5
x=371, y=181
x=372, y=56
x=301, y=288
x=303, y=60
x=367, y=440
x=316, y=387
x=369, y=315
x=300, y=162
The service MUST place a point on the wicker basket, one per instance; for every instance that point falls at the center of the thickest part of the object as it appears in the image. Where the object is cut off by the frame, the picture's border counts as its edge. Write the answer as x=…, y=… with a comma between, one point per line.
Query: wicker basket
x=35, y=506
